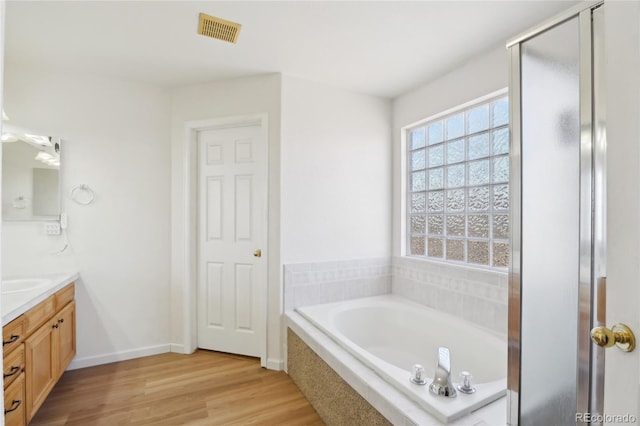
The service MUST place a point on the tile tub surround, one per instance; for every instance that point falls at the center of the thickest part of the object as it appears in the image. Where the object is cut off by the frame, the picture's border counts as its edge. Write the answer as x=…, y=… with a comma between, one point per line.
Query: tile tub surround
x=392, y=404
x=473, y=294
x=323, y=282
x=333, y=399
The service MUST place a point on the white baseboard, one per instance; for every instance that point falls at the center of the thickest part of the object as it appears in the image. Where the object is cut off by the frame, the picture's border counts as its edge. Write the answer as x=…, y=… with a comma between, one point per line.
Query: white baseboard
x=91, y=361
x=275, y=364
x=179, y=349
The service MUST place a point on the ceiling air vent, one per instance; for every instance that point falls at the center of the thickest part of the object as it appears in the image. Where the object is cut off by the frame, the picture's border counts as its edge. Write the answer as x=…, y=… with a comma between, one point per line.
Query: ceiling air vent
x=214, y=27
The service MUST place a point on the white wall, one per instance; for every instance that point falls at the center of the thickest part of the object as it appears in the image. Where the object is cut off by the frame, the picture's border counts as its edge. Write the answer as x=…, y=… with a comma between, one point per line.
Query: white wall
x=336, y=174
x=115, y=139
x=235, y=97
x=484, y=74
x=329, y=178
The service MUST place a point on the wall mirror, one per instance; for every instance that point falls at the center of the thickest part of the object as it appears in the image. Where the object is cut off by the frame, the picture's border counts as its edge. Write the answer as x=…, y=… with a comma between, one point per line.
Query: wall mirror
x=30, y=175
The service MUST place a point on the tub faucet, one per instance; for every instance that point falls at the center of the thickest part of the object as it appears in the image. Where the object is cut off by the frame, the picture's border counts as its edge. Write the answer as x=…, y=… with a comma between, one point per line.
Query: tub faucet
x=442, y=384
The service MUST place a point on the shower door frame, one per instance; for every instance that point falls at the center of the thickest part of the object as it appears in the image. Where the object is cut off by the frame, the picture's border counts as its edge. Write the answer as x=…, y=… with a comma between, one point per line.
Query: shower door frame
x=592, y=250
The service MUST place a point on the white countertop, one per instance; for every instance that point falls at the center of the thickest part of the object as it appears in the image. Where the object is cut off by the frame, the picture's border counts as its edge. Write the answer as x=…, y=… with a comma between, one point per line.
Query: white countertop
x=16, y=304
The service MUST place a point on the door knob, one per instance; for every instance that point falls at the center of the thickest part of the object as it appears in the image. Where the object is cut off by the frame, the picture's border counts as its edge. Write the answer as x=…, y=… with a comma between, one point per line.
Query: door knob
x=619, y=335
x=257, y=253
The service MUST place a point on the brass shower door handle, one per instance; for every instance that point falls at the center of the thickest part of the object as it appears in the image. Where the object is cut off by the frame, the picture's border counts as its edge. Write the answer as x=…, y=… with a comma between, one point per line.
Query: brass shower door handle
x=619, y=335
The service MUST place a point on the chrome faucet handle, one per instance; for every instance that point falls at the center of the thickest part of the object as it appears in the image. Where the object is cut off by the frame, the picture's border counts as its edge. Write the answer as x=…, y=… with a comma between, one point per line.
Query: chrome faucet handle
x=417, y=375
x=442, y=384
x=466, y=385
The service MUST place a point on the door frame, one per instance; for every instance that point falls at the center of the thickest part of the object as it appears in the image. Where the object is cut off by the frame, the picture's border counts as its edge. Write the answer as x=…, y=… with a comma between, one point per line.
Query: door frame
x=190, y=211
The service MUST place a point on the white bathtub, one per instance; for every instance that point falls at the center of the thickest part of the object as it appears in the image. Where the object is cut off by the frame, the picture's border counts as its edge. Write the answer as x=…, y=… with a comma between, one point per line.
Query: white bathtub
x=390, y=334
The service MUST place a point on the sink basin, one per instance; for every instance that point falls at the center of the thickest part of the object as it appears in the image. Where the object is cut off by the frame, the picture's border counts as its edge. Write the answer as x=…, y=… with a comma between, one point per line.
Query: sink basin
x=19, y=285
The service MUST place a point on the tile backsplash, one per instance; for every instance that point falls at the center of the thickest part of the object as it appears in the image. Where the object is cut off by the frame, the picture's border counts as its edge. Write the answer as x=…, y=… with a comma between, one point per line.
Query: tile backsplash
x=314, y=283
x=474, y=294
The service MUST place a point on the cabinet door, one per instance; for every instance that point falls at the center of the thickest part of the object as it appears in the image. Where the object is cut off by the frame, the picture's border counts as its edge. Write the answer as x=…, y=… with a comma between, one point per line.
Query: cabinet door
x=41, y=369
x=66, y=336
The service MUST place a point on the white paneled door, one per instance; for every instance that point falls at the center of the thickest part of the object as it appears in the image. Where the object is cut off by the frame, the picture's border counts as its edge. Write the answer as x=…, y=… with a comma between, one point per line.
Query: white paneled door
x=232, y=237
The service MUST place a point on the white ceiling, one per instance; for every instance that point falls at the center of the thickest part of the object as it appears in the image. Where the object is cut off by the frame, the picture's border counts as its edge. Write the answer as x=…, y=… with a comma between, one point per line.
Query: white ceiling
x=374, y=47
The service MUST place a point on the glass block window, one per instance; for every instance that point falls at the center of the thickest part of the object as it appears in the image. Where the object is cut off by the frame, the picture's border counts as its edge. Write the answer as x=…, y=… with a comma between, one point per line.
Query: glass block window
x=458, y=186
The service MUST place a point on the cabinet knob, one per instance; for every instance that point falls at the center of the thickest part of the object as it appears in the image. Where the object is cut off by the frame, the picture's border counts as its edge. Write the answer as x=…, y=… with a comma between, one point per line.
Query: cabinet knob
x=61, y=320
x=55, y=326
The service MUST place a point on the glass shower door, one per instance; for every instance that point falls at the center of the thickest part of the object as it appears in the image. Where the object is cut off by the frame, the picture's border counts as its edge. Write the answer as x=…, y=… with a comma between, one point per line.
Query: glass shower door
x=552, y=272
x=550, y=225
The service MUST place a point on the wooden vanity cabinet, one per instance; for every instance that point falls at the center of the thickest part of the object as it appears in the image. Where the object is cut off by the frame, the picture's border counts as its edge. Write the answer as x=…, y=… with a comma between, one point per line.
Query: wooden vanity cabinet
x=46, y=351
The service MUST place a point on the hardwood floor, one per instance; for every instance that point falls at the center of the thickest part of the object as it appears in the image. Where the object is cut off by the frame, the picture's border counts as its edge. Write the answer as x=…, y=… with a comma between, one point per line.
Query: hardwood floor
x=206, y=388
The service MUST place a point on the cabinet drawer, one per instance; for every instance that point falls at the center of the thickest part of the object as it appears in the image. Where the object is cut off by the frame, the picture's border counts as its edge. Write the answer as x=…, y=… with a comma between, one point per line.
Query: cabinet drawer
x=64, y=296
x=36, y=316
x=14, y=404
x=13, y=365
x=13, y=334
